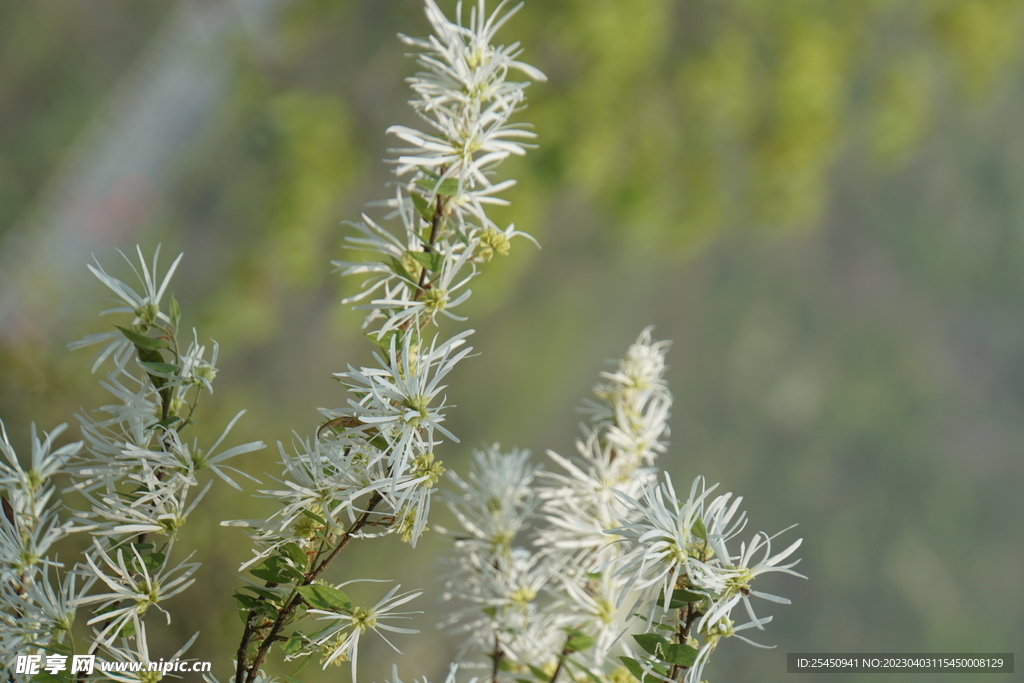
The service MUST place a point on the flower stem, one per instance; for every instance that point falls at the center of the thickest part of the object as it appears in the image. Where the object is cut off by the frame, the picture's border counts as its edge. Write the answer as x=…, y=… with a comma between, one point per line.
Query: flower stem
x=497, y=657
x=283, y=616
x=561, y=661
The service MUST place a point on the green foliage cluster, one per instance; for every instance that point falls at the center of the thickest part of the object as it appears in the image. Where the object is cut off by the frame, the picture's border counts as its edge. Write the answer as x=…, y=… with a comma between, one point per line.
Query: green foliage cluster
x=682, y=118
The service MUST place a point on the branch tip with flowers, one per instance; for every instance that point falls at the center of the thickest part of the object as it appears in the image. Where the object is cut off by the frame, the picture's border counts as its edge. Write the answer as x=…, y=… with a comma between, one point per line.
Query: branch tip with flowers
x=372, y=463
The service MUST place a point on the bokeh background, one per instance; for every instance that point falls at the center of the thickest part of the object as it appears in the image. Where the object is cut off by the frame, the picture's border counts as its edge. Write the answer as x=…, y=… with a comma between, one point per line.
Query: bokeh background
x=821, y=203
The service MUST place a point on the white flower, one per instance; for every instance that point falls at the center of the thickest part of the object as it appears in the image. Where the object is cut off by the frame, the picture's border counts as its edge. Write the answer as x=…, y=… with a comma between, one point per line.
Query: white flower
x=582, y=505
x=25, y=542
x=384, y=247
x=664, y=536
x=464, y=96
x=504, y=599
x=733, y=581
x=186, y=460
x=495, y=501
x=133, y=587
x=144, y=307
x=28, y=491
x=158, y=506
x=640, y=370
x=194, y=368
x=341, y=638
x=45, y=611
x=398, y=398
x=633, y=404
x=414, y=307
x=595, y=606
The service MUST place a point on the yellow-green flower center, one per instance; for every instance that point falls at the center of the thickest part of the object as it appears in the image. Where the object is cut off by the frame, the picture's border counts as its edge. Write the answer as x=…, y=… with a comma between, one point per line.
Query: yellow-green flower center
x=424, y=466
x=363, y=618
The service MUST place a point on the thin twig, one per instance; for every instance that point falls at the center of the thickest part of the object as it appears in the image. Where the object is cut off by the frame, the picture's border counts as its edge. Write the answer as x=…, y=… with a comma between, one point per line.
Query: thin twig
x=296, y=599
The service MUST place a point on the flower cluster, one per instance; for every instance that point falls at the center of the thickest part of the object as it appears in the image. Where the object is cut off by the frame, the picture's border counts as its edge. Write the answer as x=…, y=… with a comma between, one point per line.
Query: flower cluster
x=554, y=569
x=373, y=466
x=596, y=570
x=140, y=480
x=34, y=609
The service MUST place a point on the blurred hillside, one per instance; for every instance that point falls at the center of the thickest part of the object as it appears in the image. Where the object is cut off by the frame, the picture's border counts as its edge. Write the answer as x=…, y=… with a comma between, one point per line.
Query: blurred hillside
x=820, y=203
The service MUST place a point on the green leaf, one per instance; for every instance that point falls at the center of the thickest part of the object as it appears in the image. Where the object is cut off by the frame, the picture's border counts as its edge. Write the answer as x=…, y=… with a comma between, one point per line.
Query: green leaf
x=142, y=341
x=265, y=593
x=168, y=421
x=432, y=261
x=320, y=596
x=578, y=641
x=677, y=653
x=296, y=554
x=162, y=368
x=633, y=666
x=379, y=442
x=315, y=517
x=127, y=631
x=175, y=312
x=504, y=664
x=384, y=340
x=462, y=237
x=153, y=560
x=293, y=645
x=698, y=529
x=276, y=569
x=650, y=642
x=401, y=272
x=422, y=206
x=245, y=602
x=448, y=186
x=538, y=673
x=680, y=597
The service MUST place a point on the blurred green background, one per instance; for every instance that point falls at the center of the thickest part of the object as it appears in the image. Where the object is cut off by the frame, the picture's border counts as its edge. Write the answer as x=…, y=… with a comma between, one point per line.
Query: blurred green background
x=820, y=202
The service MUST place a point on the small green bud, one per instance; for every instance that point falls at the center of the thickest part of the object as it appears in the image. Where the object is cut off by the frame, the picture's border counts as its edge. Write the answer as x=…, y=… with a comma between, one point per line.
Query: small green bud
x=206, y=371
x=412, y=266
x=171, y=524
x=306, y=527
x=176, y=408
x=198, y=458
x=147, y=312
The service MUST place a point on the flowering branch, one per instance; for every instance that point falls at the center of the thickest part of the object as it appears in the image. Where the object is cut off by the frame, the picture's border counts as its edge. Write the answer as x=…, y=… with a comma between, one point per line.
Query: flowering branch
x=597, y=569
x=373, y=461
x=615, y=551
